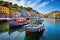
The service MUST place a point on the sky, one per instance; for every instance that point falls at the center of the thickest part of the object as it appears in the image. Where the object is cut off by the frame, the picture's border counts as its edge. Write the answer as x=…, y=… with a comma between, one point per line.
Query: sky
x=42, y=6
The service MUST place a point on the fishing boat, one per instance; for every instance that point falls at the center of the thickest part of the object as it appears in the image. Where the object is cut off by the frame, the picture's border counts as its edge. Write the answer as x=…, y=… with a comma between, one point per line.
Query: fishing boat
x=34, y=30
x=34, y=27
x=34, y=36
x=17, y=23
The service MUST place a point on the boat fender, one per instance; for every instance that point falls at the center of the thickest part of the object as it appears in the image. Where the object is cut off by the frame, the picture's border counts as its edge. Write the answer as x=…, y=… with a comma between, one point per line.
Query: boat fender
x=39, y=30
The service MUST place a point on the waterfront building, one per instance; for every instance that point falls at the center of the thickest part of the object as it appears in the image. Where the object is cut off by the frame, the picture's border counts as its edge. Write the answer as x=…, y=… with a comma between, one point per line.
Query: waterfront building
x=4, y=10
x=23, y=13
x=54, y=14
x=37, y=15
x=15, y=14
x=32, y=13
x=28, y=13
x=44, y=15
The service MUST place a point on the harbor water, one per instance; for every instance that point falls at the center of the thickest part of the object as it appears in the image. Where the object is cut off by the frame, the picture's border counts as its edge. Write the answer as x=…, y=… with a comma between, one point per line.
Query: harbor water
x=51, y=31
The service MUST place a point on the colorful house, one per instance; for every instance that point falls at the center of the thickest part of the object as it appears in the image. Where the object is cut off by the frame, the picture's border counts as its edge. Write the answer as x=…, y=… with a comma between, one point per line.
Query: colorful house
x=4, y=12
x=15, y=14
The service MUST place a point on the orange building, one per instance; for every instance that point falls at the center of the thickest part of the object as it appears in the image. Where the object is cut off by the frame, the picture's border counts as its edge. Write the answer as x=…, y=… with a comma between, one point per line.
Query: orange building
x=4, y=10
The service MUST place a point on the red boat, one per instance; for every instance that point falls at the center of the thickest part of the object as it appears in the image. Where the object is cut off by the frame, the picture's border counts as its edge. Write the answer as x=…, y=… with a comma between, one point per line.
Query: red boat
x=18, y=22
x=21, y=20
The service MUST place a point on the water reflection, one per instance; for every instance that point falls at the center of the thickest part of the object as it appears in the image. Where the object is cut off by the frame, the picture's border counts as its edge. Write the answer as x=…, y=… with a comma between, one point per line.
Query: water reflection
x=51, y=32
x=53, y=21
x=34, y=36
x=4, y=27
x=52, y=27
x=7, y=33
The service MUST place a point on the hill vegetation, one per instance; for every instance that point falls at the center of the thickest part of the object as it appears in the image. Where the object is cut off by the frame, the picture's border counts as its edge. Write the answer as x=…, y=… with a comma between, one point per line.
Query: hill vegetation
x=12, y=6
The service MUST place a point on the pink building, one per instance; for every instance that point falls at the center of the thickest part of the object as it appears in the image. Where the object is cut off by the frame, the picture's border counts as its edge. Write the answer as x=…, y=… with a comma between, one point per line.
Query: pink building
x=28, y=14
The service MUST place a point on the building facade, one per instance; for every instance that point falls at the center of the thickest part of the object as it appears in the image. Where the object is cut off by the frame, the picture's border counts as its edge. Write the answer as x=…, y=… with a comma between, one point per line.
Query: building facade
x=15, y=14
x=54, y=14
x=4, y=12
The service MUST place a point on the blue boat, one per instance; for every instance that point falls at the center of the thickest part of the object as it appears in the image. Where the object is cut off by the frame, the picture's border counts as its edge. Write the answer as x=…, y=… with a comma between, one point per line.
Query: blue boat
x=17, y=23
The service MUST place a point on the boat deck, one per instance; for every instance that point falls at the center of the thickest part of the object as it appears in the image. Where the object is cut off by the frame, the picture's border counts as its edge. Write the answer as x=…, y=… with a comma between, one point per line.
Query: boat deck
x=34, y=25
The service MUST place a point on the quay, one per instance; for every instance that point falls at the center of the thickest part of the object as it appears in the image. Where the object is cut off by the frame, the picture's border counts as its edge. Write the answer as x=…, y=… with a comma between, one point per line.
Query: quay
x=5, y=18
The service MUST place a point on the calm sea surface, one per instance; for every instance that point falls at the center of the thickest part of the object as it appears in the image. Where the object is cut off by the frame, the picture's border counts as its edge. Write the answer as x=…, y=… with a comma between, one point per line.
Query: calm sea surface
x=51, y=32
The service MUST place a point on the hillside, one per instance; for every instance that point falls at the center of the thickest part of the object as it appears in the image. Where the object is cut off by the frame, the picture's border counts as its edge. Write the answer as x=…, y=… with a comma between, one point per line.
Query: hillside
x=15, y=6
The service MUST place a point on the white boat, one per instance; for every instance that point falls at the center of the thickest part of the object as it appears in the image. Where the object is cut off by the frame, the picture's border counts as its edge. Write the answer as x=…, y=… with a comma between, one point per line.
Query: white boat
x=35, y=27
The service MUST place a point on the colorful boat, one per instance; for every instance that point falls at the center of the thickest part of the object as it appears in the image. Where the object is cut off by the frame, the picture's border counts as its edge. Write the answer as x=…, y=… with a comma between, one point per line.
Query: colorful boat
x=34, y=31
x=35, y=27
x=34, y=36
x=17, y=23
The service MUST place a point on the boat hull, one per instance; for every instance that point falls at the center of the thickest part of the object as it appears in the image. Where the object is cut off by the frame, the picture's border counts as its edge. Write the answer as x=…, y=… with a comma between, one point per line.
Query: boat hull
x=33, y=35
x=31, y=30
x=13, y=24
x=1, y=21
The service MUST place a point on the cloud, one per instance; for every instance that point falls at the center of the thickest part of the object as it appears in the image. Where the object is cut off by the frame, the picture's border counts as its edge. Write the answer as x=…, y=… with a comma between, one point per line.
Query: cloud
x=33, y=4
x=43, y=4
x=21, y=3
x=28, y=3
x=13, y=1
x=18, y=2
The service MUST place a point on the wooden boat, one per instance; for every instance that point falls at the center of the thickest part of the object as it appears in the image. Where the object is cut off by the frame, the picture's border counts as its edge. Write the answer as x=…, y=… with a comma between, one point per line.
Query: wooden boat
x=17, y=23
x=35, y=27
x=34, y=31
x=34, y=36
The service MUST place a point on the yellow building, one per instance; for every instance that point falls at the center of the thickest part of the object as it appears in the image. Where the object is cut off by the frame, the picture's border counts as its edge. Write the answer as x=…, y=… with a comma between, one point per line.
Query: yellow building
x=4, y=10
